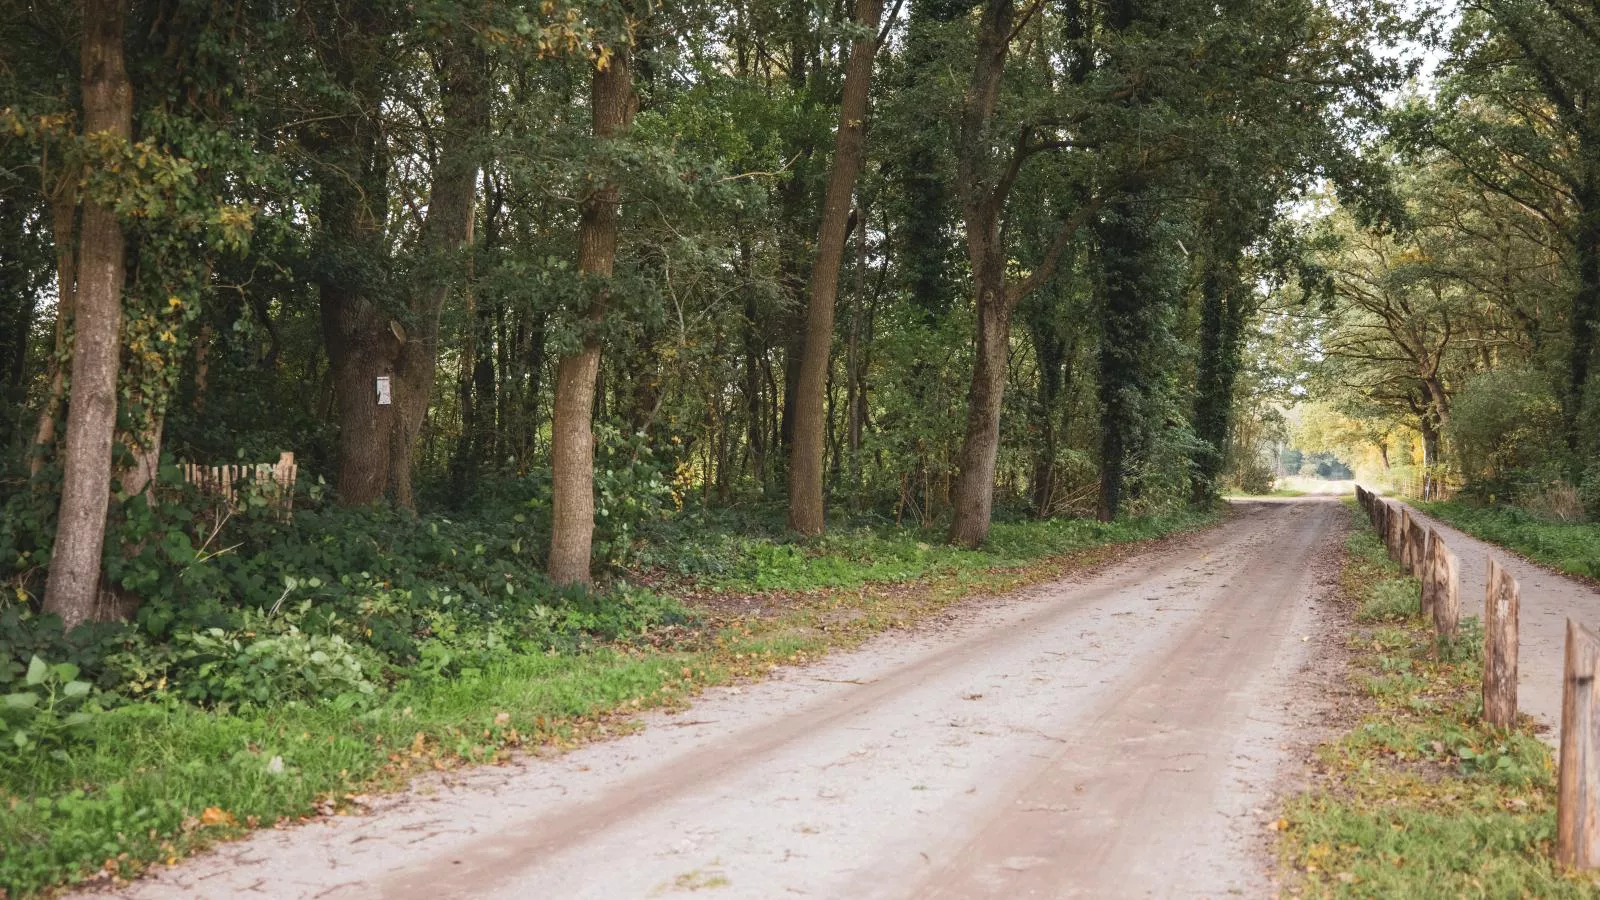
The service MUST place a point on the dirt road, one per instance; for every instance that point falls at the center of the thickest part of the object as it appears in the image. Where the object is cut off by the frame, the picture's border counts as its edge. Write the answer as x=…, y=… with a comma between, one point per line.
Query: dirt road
x=1116, y=735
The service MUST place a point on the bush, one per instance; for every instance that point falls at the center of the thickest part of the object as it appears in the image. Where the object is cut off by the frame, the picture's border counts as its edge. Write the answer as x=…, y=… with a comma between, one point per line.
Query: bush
x=217, y=667
x=1501, y=422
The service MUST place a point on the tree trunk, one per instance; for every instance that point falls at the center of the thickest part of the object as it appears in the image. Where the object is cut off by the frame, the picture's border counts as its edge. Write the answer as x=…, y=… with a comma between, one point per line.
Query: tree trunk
x=1221, y=330
x=806, y=456
x=446, y=231
x=572, y=450
x=973, y=495
x=980, y=449
x=72, y=589
x=361, y=339
x=1585, y=311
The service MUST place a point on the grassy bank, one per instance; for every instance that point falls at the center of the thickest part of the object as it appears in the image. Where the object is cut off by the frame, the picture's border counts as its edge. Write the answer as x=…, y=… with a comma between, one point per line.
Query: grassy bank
x=1571, y=547
x=156, y=778
x=1417, y=798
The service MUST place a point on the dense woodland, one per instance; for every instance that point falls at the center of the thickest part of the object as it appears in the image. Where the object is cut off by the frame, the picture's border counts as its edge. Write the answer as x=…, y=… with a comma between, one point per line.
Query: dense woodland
x=628, y=272
x=567, y=308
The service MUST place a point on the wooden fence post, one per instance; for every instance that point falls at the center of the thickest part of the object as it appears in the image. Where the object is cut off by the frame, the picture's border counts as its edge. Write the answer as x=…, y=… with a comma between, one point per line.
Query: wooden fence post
x=1416, y=546
x=1397, y=533
x=1578, y=782
x=1430, y=586
x=1500, y=648
x=1444, y=571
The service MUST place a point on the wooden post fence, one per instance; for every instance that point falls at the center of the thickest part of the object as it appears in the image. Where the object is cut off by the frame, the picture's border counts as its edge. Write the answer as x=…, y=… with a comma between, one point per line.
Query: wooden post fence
x=1441, y=587
x=276, y=481
x=1500, y=609
x=1578, y=783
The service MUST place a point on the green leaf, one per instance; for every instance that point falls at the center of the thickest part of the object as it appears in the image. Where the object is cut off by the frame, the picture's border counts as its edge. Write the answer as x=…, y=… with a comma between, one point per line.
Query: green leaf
x=21, y=701
x=76, y=688
x=66, y=671
x=37, y=671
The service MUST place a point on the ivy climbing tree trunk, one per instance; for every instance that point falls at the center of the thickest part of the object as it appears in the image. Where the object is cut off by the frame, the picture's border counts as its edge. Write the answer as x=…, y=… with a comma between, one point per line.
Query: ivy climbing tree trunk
x=1585, y=309
x=72, y=589
x=1221, y=333
x=810, y=417
x=572, y=432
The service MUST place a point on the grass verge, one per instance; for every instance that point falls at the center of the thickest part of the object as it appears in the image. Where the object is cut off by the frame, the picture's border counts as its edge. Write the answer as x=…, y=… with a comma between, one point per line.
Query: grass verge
x=1418, y=798
x=1571, y=547
x=160, y=780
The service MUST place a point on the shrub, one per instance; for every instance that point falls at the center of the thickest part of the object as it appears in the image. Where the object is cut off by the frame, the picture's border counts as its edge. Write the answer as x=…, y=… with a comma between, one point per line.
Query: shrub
x=1558, y=502
x=222, y=668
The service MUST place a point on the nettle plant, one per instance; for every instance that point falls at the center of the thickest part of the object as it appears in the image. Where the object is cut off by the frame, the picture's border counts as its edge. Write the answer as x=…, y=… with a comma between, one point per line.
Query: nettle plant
x=52, y=710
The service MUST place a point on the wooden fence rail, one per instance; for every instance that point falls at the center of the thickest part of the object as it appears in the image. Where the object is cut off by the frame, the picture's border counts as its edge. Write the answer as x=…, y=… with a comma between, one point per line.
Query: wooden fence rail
x=275, y=481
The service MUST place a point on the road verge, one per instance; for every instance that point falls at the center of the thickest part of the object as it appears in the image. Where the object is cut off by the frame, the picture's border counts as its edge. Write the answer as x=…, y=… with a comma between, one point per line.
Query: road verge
x=1416, y=797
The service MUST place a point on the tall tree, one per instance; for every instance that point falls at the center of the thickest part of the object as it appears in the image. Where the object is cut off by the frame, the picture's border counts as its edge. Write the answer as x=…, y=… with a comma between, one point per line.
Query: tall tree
x=612, y=107
x=73, y=588
x=806, y=456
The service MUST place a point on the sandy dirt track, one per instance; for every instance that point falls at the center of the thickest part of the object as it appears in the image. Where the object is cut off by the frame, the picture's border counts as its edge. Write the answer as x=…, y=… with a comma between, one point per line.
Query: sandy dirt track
x=1548, y=599
x=1114, y=735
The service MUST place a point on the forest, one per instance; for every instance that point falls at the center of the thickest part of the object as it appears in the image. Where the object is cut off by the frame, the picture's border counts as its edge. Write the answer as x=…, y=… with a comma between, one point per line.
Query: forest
x=568, y=311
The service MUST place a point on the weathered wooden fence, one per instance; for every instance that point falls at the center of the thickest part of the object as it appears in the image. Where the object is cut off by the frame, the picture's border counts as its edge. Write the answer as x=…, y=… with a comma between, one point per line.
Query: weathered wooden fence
x=273, y=481
x=1422, y=552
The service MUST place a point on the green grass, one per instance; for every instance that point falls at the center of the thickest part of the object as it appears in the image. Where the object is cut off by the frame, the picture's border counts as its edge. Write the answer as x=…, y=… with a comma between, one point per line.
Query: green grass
x=1573, y=548
x=728, y=558
x=159, y=780
x=1418, y=798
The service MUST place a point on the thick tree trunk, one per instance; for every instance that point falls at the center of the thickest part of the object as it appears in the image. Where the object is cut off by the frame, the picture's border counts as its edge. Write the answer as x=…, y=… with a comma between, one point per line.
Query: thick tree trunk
x=806, y=456
x=361, y=338
x=980, y=449
x=572, y=450
x=72, y=589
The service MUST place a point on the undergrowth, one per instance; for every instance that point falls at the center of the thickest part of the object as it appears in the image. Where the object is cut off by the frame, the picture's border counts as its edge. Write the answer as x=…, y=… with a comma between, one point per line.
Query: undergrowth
x=347, y=670
x=1419, y=798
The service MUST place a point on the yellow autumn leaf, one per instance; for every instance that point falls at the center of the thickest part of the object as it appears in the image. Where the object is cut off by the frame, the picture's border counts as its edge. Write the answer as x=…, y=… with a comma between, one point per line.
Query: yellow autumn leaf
x=216, y=816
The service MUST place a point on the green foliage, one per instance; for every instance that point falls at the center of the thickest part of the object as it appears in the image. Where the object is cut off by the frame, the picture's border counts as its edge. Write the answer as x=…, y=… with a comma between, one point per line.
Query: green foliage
x=1501, y=423
x=1390, y=601
x=224, y=668
x=48, y=712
